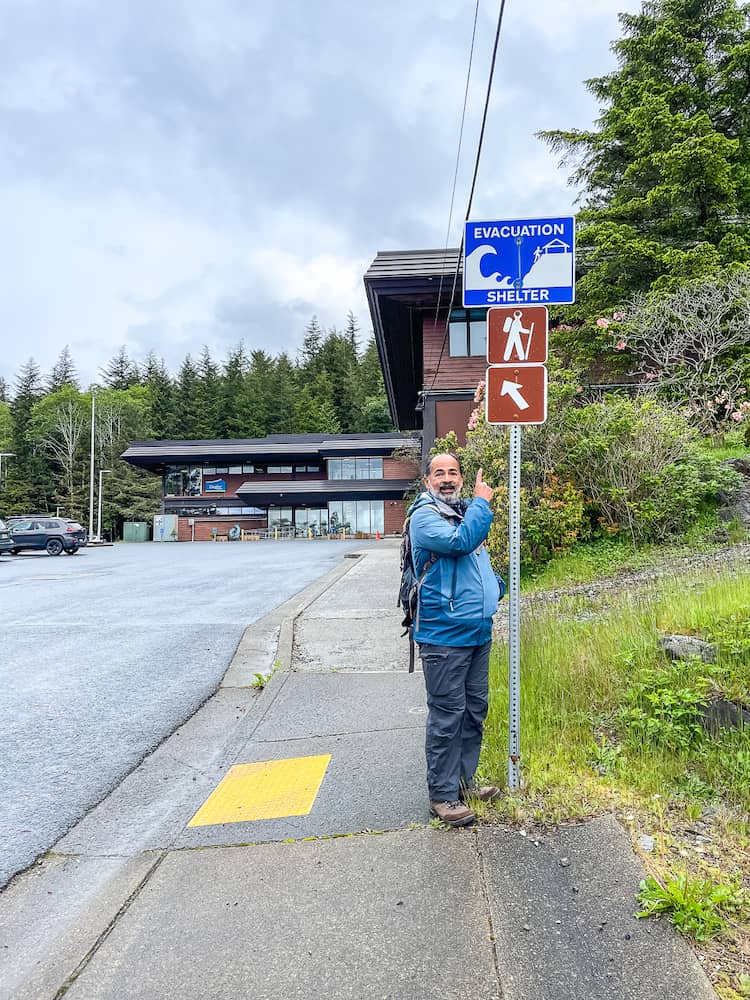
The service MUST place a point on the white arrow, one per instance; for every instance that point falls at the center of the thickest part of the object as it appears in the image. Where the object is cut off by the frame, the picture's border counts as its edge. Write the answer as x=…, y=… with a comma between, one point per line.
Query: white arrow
x=511, y=389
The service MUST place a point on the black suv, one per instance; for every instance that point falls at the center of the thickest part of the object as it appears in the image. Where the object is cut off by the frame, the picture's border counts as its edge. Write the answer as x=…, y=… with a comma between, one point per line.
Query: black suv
x=6, y=544
x=54, y=534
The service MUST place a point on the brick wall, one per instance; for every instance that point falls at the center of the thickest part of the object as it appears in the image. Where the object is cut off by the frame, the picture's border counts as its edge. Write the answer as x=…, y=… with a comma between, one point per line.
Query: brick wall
x=397, y=469
x=454, y=373
x=394, y=515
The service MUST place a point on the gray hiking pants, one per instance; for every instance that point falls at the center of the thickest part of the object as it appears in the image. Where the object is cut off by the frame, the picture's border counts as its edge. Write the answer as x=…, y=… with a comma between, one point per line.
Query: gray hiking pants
x=456, y=678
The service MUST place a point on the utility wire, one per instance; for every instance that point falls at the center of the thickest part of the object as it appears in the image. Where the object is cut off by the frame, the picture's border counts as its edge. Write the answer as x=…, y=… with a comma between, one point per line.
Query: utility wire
x=458, y=160
x=473, y=184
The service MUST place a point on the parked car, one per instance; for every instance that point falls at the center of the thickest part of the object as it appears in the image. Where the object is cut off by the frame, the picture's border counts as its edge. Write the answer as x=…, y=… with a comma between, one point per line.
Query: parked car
x=6, y=542
x=53, y=534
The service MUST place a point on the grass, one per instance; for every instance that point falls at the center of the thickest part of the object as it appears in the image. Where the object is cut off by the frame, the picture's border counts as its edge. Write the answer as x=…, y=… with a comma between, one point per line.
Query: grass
x=611, y=556
x=608, y=723
x=580, y=663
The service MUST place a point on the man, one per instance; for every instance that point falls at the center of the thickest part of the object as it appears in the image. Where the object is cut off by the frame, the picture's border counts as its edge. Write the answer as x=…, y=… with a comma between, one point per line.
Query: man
x=453, y=627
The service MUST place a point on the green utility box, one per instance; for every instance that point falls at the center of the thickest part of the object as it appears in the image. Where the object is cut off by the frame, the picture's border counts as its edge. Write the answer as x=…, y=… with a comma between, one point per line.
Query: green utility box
x=135, y=531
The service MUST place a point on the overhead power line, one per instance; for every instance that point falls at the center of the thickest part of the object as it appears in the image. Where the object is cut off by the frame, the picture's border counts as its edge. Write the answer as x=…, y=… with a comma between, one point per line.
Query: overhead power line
x=500, y=15
x=458, y=157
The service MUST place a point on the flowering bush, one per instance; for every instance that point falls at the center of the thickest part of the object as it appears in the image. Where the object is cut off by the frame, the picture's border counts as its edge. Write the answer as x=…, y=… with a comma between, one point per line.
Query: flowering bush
x=636, y=461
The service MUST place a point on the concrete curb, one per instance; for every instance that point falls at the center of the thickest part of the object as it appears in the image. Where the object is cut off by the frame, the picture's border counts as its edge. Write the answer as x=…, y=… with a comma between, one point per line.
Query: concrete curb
x=266, y=646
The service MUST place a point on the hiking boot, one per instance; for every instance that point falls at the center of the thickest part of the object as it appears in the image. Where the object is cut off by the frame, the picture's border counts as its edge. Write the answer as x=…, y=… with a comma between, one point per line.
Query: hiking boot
x=485, y=793
x=452, y=813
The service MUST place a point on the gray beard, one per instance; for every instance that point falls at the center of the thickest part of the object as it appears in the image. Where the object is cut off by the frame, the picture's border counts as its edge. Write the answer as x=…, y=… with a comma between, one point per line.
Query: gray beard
x=450, y=499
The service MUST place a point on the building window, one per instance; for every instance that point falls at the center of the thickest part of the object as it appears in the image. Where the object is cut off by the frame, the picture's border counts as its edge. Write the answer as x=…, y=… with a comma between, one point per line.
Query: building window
x=363, y=516
x=246, y=468
x=467, y=333
x=311, y=521
x=280, y=517
x=279, y=470
x=182, y=480
x=307, y=468
x=355, y=468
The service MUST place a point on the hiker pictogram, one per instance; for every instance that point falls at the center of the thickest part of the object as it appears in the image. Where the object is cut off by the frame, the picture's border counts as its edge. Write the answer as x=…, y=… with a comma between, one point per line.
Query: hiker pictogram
x=516, y=335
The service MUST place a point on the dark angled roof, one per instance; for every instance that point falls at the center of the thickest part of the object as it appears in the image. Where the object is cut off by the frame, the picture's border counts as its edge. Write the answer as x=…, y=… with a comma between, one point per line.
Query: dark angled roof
x=322, y=490
x=414, y=263
x=155, y=453
x=401, y=286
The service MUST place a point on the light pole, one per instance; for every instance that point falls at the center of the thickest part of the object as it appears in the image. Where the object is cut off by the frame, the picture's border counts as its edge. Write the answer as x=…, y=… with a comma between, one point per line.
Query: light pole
x=4, y=454
x=91, y=476
x=99, y=516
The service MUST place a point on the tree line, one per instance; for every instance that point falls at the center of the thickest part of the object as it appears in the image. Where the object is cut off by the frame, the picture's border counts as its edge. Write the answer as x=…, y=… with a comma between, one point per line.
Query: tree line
x=664, y=174
x=333, y=386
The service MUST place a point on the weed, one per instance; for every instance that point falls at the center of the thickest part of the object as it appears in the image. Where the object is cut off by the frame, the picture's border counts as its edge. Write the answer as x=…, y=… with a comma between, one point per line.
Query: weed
x=605, y=756
x=736, y=531
x=662, y=707
x=698, y=908
x=259, y=681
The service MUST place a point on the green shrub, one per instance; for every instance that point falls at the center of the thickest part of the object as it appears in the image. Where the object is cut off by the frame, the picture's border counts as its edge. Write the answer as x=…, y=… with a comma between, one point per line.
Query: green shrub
x=636, y=460
x=662, y=707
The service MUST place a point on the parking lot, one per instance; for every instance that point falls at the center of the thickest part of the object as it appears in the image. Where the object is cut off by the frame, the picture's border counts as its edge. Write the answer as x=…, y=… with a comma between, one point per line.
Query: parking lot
x=106, y=653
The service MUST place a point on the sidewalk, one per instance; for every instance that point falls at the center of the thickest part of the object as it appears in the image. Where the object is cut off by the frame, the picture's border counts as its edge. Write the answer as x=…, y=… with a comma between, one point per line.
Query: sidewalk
x=135, y=903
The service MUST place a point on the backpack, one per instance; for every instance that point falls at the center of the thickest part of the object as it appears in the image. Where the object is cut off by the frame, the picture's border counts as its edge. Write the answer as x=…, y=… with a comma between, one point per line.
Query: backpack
x=411, y=584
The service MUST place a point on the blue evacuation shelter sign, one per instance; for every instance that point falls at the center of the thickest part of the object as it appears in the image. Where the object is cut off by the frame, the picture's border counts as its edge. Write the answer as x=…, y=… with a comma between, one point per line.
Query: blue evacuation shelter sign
x=522, y=261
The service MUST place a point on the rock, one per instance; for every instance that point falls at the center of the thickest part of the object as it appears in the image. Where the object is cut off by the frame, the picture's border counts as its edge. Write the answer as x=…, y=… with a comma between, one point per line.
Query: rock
x=720, y=714
x=735, y=504
x=646, y=843
x=684, y=647
x=564, y=862
x=741, y=465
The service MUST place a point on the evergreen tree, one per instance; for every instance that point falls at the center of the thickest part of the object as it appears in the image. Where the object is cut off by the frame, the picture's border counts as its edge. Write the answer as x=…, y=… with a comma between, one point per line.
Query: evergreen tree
x=63, y=373
x=352, y=332
x=121, y=372
x=282, y=394
x=161, y=397
x=231, y=422
x=309, y=357
x=254, y=398
x=376, y=416
x=188, y=412
x=666, y=172
x=208, y=397
x=28, y=485
x=6, y=427
x=340, y=362
x=4, y=391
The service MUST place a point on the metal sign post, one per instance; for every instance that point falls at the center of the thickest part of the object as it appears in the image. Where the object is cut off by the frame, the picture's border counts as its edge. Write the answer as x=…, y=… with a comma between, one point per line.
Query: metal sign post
x=518, y=267
x=514, y=609
x=515, y=394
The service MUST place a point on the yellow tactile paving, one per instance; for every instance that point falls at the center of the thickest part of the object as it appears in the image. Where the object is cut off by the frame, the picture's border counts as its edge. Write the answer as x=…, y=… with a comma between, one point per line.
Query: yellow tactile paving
x=268, y=789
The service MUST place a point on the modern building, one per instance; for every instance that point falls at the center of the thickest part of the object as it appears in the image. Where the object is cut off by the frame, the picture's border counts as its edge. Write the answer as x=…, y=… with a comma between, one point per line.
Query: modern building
x=432, y=350
x=298, y=484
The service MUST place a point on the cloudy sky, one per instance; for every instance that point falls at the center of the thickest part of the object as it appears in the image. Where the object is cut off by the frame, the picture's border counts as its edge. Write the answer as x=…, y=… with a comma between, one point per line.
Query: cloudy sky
x=183, y=172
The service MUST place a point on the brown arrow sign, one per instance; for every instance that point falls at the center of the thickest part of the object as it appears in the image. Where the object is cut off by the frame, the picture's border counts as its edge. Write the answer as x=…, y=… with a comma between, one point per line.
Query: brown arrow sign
x=516, y=394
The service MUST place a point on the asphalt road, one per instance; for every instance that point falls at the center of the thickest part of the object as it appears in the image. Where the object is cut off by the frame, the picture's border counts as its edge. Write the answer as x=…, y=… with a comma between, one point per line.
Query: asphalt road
x=105, y=653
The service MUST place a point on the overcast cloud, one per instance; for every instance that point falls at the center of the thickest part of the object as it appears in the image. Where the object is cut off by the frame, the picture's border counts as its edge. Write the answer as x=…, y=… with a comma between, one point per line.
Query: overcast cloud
x=183, y=173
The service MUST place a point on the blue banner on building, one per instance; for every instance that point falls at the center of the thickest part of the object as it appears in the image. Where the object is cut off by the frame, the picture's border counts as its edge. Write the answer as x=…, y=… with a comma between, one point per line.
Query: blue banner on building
x=215, y=486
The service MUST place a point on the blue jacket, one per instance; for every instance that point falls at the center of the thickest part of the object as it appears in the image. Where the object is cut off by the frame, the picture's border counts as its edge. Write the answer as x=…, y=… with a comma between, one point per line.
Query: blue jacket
x=459, y=593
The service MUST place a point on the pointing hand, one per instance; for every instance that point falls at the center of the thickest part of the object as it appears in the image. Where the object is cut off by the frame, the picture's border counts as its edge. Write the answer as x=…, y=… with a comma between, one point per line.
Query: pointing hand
x=481, y=489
